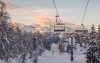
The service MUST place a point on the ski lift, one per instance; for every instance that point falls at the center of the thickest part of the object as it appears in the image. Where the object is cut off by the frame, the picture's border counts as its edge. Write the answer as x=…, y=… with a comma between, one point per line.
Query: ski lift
x=83, y=30
x=59, y=27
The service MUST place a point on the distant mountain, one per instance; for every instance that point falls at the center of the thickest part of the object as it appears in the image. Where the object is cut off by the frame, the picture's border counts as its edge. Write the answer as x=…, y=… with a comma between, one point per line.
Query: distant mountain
x=50, y=28
x=26, y=28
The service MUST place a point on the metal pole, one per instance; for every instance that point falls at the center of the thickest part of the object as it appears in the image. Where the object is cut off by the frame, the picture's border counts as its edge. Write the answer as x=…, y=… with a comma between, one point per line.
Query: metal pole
x=71, y=48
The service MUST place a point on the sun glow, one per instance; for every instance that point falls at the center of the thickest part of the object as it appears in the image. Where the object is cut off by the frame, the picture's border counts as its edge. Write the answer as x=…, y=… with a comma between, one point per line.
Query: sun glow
x=40, y=30
x=14, y=25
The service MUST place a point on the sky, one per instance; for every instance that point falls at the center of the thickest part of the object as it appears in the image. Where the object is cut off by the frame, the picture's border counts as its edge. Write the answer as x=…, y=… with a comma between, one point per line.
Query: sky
x=39, y=11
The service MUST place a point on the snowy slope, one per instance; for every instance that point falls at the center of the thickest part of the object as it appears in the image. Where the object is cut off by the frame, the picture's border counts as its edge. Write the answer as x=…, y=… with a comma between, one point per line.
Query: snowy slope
x=56, y=57
x=2, y=61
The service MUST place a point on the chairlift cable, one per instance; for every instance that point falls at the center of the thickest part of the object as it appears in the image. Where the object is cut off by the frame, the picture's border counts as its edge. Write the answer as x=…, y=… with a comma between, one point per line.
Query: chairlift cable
x=55, y=6
x=85, y=12
x=56, y=9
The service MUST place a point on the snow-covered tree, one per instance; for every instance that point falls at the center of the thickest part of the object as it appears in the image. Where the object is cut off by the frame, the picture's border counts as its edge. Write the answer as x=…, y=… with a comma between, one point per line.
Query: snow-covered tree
x=91, y=53
x=4, y=25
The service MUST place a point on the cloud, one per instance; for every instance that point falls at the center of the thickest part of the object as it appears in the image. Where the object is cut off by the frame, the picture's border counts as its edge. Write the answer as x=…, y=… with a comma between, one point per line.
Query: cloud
x=44, y=11
x=28, y=16
x=39, y=17
x=44, y=20
x=34, y=15
x=31, y=15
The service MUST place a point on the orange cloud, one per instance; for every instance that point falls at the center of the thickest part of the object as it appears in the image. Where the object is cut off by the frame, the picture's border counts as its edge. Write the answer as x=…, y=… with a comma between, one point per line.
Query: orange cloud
x=42, y=21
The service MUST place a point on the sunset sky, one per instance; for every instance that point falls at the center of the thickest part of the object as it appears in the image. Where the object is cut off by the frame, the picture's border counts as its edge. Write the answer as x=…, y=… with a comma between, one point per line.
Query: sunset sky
x=38, y=11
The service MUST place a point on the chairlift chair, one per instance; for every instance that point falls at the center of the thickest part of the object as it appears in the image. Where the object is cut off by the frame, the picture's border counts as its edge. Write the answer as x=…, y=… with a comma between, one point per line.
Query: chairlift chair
x=59, y=27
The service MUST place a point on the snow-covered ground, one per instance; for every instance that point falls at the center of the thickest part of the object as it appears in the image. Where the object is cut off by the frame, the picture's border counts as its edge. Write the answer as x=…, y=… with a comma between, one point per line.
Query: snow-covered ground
x=56, y=57
x=2, y=61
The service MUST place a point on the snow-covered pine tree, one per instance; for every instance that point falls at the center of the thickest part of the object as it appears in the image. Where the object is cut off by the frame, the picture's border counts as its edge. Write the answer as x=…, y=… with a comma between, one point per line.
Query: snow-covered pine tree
x=93, y=36
x=91, y=53
x=99, y=41
x=4, y=25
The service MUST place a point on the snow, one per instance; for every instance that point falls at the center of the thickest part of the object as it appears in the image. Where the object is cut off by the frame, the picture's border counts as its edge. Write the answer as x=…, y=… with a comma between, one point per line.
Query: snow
x=49, y=57
x=54, y=56
x=1, y=61
x=6, y=40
